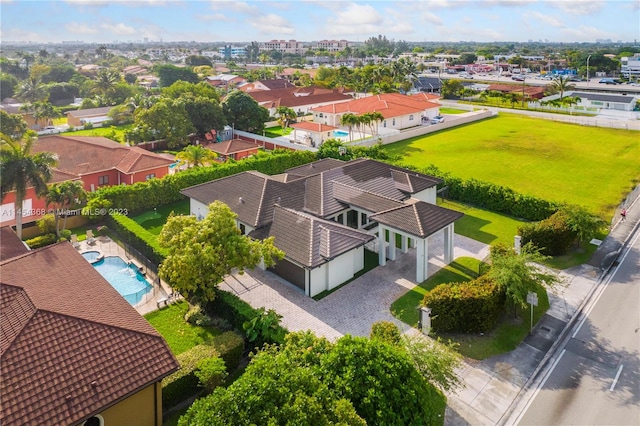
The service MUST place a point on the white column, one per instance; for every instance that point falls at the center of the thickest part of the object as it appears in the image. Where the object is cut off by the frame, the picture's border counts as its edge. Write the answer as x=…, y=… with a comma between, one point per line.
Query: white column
x=382, y=246
x=448, y=244
x=359, y=220
x=404, y=246
x=422, y=260
x=344, y=218
x=392, y=245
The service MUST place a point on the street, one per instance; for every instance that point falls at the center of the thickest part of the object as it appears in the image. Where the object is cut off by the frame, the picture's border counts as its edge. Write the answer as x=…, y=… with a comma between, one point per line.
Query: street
x=595, y=378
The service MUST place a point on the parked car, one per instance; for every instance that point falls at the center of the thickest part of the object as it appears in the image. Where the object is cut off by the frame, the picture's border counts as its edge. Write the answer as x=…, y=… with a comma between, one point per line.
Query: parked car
x=437, y=119
x=517, y=77
x=609, y=81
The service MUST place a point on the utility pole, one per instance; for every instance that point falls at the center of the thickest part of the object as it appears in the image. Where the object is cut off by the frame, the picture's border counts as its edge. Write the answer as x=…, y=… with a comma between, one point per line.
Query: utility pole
x=588, y=57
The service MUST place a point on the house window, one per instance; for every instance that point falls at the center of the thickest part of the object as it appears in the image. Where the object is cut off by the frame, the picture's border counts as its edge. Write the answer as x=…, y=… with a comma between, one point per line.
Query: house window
x=411, y=117
x=243, y=229
x=394, y=122
x=384, y=123
x=151, y=176
x=321, y=116
x=103, y=180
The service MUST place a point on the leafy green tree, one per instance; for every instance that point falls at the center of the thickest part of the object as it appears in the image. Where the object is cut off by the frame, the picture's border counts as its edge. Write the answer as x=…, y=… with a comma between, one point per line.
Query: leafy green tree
x=31, y=90
x=165, y=120
x=435, y=360
x=105, y=84
x=202, y=252
x=561, y=84
x=197, y=60
x=8, y=84
x=211, y=372
x=169, y=74
x=244, y=113
x=387, y=332
x=518, y=274
x=21, y=169
x=182, y=88
x=264, y=327
x=285, y=116
x=585, y=224
x=204, y=113
x=12, y=125
x=451, y=88
x=43, y=112
x=196, y=155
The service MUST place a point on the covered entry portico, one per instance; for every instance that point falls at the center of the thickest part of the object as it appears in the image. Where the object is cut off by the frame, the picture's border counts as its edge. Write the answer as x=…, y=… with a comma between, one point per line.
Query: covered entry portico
x=413, y=224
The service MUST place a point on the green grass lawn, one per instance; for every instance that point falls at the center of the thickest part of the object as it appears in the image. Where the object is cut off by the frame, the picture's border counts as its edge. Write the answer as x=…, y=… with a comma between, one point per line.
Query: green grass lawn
x=277, y=131
x=116, y=132
x=405, y=308
x=179, y=334
x=447, y=110
x=589, y=166
x=153, y=220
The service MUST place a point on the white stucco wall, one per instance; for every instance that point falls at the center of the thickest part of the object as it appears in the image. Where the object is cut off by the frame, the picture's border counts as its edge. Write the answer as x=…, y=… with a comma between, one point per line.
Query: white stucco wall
x=198, y=209
x=429, y=195
x=337, y=271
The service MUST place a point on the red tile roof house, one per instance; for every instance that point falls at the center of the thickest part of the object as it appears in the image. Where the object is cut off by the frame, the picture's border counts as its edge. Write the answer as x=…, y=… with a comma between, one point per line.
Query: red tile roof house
x=97, y=161
x=234, y=149
x=399, y=111
x=323, y=214
x=312, y=134
x=300, y=99
x=72, y=348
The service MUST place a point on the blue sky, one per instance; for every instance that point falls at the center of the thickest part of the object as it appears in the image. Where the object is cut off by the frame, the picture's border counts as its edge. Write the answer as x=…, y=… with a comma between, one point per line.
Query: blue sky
x=434, y=20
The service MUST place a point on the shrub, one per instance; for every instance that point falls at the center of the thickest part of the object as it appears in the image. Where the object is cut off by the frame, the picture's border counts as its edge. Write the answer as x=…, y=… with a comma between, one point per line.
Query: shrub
x=129, y=231
x=472, y=306
x=230, y=345
x=221, y=324
x=211, y=372
x=386, y=331
x=65, y=235
x=553, y=236
x=196, y=316
x=264, y=327
x=184, y=383
x=41, y=241
x=47, y=224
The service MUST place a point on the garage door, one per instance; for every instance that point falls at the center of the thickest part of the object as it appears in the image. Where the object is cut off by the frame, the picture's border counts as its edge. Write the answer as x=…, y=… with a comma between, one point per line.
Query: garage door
x=290, y=272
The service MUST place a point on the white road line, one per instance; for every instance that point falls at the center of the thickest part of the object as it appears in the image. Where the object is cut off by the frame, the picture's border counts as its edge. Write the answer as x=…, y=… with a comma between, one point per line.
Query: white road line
x=615, y=380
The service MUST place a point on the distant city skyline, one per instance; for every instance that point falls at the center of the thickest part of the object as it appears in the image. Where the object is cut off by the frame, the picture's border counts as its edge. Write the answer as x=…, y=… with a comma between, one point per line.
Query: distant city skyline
x=98, y=21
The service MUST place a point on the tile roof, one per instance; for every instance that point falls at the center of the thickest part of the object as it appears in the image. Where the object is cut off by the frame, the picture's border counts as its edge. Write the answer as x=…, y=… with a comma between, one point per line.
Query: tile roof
x=278, y=83
x=10, y=244
x=419, y=219
x=315, y=167
x=89, y=112
x=232, y=146
x=251, y=195
x=311, y=241
x=388, y=104
x=312, y=127
x=70, y=344
x=606, y=97
x=81, y=155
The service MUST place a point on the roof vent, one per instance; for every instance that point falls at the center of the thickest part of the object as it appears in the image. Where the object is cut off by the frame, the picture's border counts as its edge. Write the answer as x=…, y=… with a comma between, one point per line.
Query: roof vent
x=94, y=384
x=68, y=398
x=240, y=199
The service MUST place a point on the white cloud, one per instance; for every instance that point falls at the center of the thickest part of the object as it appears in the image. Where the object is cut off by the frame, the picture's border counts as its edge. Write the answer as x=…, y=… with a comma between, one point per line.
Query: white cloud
x=432, y=18
x=585, y=33
x=219, y=17
x=118, y=29
x=580, y=7
x=237, y=7
x=98, y=3
x=76, y=28
x=546, y=19
x=273, y=24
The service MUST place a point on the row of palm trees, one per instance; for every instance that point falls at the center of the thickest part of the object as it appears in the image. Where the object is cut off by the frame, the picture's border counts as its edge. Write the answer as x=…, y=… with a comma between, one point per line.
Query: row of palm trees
x=360, y=122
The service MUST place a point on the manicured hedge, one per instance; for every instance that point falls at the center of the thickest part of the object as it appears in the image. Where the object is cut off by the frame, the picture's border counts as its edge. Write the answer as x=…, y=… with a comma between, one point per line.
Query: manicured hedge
x=183, y=383
x=472, y=306
x=134, y=234
x=144, y=196
x=41, y=241
x=230, y=345
x=553, y=236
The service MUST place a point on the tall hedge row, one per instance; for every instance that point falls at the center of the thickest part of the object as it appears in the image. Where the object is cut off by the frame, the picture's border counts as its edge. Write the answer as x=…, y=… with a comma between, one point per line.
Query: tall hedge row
x=129, y=231
x=553, y=236
x=492, y=197
x=158, y=192
x=468, y=307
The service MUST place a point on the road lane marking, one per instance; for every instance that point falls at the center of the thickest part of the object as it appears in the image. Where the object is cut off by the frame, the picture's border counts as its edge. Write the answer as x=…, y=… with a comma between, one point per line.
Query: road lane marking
x=615, y=380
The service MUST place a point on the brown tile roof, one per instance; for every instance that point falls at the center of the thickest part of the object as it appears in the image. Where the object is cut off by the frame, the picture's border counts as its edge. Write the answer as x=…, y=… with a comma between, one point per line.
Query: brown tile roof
x=89, y=112
x=315, y=167
x=278, y=83
x=388, y=104
x=311, y=241
x=70, y=345
x=312, y=127
x=232, y=146
x=420, y=219
x=10, y=244
x=81, y=155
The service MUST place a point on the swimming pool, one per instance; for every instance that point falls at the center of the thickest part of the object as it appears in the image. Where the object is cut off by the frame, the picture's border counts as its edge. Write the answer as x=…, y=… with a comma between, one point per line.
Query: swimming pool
x=125, y=278
x=92, y=256
x=340, y=134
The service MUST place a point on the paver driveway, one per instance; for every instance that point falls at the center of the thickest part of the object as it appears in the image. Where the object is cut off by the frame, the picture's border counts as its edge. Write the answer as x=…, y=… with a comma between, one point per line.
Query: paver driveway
x=353, y=308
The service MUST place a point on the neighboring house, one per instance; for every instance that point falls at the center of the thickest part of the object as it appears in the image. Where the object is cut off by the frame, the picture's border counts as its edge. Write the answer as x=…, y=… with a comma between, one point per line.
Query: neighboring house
x=95, y=116
x=97, y=161
x=274, y=84
x=12, y=106
x=234, y=149
x=312, y=134
x=530, y=92
x=602, y=100
x=225, y=80
x=323, y=214
x=135, y=70
x=72, y=349
x=300, y=99
x=428, y=84
x=399, y=111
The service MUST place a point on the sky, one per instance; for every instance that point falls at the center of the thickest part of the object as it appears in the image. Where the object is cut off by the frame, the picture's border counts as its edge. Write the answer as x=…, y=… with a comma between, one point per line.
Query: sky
x=244, y=21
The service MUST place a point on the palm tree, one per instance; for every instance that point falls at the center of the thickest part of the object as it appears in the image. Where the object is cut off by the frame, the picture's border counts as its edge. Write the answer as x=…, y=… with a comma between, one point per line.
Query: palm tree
x=349, y=120
x=43, y=112
x=20, y=169
x=562, y=84
x=285, y=116
x=31, y=90
x=196, y=155
x=105, y=83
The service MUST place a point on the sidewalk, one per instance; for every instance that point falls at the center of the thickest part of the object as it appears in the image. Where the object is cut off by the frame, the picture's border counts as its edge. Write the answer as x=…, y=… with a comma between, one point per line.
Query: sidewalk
x=493, y=387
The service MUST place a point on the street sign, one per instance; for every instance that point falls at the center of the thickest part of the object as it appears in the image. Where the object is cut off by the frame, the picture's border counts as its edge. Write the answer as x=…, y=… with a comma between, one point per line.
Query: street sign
x=532, y=298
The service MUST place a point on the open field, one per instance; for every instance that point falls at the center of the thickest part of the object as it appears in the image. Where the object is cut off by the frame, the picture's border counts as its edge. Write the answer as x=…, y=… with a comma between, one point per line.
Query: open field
x=113, y=132
x=591, y=167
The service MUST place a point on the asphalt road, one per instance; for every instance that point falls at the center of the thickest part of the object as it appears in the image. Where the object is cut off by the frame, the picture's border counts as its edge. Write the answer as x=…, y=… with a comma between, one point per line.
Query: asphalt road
x=595, y=380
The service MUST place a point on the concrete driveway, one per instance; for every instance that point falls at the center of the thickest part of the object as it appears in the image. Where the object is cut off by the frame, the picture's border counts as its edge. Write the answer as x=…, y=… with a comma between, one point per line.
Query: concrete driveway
x=353, y=308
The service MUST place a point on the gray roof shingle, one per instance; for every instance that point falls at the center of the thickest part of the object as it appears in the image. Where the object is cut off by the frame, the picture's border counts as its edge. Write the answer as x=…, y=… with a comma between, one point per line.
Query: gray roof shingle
x=419, y=219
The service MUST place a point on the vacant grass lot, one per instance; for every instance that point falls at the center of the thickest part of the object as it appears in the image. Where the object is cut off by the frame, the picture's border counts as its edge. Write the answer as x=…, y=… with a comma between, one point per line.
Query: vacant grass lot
x=113, y=132
x=589, y=166
x=154, y=220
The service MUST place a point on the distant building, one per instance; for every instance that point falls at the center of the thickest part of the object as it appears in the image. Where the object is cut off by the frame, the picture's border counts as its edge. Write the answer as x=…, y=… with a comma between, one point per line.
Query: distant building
x=331, y=45
x=630, y=66
x=283, y=46
x=232, y=52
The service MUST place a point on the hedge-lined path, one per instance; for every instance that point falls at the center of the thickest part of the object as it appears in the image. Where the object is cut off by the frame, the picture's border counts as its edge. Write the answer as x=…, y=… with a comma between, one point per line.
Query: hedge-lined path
x=353, y=308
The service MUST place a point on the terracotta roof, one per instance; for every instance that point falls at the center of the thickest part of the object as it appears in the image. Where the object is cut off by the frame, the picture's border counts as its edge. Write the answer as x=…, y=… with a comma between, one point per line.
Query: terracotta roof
x=81, y=155
x=232, y=146
x=10, y=244
x=278, y=83
x=315, y=167
x=311, y=241
x=251, y=195
x=312, y=127
x=89, y=112
x=70, y=346
x=388, y=104
x=420, y=219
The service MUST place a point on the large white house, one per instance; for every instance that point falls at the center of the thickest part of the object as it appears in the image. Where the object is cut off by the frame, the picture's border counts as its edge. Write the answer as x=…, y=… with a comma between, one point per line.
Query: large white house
x=323, y=214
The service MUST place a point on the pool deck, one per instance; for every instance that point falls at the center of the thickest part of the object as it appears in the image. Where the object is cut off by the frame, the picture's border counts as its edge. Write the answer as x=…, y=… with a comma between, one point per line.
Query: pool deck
x=153, y=300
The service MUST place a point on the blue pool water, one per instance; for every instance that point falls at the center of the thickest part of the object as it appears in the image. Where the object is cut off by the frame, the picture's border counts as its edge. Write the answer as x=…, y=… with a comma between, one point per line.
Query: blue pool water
x=124, y=278
x=340, y=133
x=91, y=256
x=174, y=165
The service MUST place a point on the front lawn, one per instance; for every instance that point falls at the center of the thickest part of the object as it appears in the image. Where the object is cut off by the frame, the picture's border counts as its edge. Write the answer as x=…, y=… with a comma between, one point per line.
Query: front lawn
x=154, y=220
x=588, y=166
x=179, y=334
x=111, y=132
x=448, y=110
x=277, y=131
